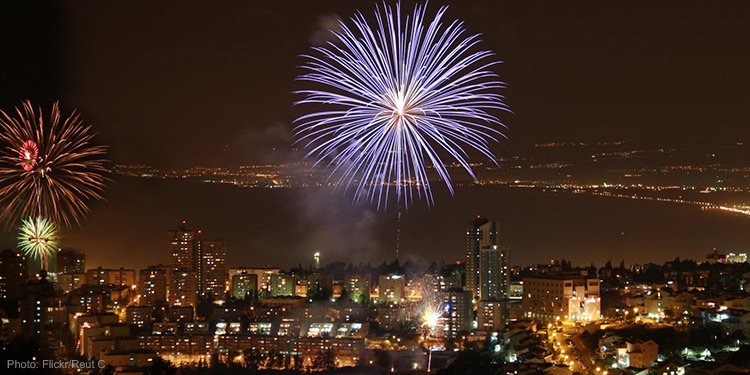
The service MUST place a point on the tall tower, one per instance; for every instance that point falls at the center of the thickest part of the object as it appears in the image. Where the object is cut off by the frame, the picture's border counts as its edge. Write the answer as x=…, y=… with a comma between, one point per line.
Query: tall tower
x=474, y=242
x=182, y=245
x=213, y=268
x=487, y=262
x=494, y=275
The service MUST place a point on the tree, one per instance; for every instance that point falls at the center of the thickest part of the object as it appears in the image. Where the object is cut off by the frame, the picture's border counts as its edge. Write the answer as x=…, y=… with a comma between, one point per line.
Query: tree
x=472, y=362
x=205, y=309
x=325, y=360
x=344, y=297
x=253, y=359
x=297, y=362
x=161, y=366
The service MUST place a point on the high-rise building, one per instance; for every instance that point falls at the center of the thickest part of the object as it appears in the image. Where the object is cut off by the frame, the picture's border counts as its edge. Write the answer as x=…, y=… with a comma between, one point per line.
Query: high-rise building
x=573, y=298
x=152, y=286
x=244, y=285
x=70, y=261
x=487, y=262
x=13, y=271
x=212, y=277
x=183, y=289
x=458, y=306
x=182, y=245
x=204, y=258
x=475, y=240
x=494, y=273
x=36, y=306
x=70, y=269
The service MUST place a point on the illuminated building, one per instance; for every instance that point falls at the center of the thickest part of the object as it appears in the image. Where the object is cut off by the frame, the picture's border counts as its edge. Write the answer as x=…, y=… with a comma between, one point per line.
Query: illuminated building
x=638, y=354
x=391, y=318
x=491, y=315
x=264, y=276
x=737, y=258
x=494, y=278
x=390, y=288
x=515, y=292
x=212, y=269
x=139, y=316
x=188, y=348
x=104, y=276
x=152, y=285
x=70, y=264
x=36, y=298
x=487, y=262
x=13, y=271
x=244, y=285
x=124, y=358
x=574, y=298
x=68, y=282
x=179, y=314
x=182, y=246
x=715, y=257
x=71, y=261
x=358, y=287
x=183, y=289
x=475, y=240
x=457, y=306
x=282, y=285
x=319, y=281
x=301, y=288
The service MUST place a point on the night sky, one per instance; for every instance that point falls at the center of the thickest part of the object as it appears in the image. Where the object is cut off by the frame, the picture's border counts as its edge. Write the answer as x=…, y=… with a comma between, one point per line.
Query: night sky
x=172, y=84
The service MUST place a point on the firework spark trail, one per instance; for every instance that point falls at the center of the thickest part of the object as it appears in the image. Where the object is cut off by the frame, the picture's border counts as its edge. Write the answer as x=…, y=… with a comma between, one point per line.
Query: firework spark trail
x=400, y=97
x=48, y=169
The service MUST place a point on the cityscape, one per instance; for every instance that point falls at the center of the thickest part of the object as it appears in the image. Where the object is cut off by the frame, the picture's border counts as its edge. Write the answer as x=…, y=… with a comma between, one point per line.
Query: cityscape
x=483, y=314
x=372, y=187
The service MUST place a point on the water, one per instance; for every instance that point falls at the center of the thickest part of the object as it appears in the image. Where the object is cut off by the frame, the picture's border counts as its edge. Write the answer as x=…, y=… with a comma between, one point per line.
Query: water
x=285, y=227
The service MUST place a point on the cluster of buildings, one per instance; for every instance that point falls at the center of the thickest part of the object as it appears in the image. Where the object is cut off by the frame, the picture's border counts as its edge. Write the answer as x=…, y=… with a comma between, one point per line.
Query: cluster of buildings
x=195, y=307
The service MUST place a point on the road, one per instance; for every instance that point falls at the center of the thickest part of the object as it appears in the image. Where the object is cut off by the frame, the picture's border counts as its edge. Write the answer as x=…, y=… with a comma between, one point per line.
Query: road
x=572, y=351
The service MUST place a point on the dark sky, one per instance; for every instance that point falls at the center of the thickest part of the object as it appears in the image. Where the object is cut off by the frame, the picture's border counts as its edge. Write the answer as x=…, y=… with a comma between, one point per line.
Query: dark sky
x=171, y=83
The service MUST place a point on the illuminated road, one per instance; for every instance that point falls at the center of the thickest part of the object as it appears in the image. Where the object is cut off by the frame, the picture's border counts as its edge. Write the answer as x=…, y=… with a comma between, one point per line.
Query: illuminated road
x=572, y=352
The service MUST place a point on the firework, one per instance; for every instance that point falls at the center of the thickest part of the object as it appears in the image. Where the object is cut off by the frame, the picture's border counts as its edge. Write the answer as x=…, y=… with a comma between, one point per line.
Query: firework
x=399, y=97
x=28, y=154
x=431, y=316
x=48, y=167
x=38, y=237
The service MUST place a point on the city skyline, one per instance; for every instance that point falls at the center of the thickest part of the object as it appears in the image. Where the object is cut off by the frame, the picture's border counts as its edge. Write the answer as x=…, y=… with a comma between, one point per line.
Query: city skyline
x=371, y=187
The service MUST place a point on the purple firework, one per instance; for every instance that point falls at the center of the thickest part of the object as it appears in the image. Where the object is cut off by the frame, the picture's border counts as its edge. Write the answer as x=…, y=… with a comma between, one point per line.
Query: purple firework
x=399, y=97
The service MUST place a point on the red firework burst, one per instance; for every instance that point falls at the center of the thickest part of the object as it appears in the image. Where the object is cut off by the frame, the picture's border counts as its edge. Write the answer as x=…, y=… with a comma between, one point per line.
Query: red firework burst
x=61, y=167
x=28, y=153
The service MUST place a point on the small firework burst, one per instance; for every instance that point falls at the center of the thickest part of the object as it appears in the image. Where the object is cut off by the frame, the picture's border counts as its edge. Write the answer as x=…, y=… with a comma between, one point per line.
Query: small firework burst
x=27, y=154
x=48, y=166
x=37, y=238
